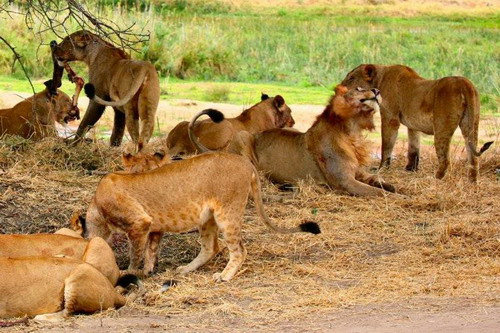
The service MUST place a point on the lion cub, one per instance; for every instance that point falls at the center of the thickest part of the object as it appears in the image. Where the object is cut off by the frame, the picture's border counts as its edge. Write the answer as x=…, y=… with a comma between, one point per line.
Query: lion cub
x=209, y=191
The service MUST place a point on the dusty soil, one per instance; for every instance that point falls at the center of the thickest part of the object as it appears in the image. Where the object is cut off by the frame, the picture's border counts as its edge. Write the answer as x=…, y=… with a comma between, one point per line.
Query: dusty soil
x=429, y=315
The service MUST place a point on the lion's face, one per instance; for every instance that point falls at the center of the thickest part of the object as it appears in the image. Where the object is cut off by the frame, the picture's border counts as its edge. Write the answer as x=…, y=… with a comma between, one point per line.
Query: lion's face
x=362, y=76
x=142, y=162
x=359, y=104
x=64, y=111
x=72, y=47
x=282, y=112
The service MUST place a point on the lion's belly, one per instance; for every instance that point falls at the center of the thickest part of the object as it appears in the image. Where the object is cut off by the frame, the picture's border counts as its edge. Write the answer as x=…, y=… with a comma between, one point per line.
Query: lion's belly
x=287, y=161
x=422, y=123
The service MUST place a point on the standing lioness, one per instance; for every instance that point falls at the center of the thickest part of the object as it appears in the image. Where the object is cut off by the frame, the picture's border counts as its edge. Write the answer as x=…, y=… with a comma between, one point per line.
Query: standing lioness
x=435, y=107
x=209, y=191
x=131, y=87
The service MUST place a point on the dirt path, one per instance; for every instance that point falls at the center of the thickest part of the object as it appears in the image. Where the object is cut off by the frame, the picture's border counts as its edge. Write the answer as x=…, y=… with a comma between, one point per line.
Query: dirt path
x=455, y=315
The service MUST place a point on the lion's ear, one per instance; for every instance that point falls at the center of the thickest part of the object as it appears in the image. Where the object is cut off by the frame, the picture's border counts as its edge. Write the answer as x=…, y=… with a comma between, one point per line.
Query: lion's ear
x=369, y=72
x=126, y=157
x=50, y=89
x=263, y=97
x=279, y=101
x=341, y=90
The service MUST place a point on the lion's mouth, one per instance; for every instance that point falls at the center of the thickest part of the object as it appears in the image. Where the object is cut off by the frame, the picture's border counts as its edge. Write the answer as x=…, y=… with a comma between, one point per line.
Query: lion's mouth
x=372, y=105
x=68, y=119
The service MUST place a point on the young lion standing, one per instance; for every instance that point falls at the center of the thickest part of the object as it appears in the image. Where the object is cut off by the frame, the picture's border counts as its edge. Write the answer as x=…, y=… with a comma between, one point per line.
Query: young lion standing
x=209, y=191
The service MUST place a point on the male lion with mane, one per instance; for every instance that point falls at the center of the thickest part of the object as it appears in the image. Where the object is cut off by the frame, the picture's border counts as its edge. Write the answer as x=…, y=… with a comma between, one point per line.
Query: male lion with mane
x=131, y=87
x=208, y=191
x=434, y=107
x=270, y=112
x=35, y=117
x=333, y=151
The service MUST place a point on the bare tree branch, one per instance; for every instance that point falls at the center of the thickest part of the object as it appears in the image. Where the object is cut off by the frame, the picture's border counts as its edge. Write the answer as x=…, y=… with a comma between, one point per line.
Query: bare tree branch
x=59, y=16
x=17, y=57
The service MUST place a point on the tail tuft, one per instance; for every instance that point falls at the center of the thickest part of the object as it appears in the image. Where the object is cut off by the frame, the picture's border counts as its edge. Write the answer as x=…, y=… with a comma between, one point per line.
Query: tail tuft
x=126, y=280
x=215, y=115
x=286, y=187
x=311, y=227
x=89, y=90
x=485, y=147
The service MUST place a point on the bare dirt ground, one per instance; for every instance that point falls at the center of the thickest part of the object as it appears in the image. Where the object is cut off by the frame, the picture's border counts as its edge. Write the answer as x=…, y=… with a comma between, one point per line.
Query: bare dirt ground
x=428, y=262
x=430, y=316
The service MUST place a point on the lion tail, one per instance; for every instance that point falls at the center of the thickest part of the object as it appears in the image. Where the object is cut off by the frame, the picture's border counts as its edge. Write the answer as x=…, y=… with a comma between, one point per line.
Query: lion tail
x=311, y=227
x=89, y=89
x=470, y=121
x=216, y=117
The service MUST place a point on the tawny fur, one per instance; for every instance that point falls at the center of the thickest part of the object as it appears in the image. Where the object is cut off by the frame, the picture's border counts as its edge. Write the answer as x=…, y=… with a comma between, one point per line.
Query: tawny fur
x=270, y=113
x=95, y=252
x=46, y=285
x=434, y=107
x=131, y=86
x=141, y=162
x=333, y=151
x=35, y=117
x=208, y=192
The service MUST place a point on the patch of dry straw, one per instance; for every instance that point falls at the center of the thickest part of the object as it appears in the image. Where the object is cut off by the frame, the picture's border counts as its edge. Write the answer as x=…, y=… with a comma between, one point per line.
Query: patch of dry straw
x=442, y=240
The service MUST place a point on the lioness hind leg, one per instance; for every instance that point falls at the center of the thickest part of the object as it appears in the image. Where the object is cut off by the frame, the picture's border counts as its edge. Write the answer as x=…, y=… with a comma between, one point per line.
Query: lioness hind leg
x=209, y=247
x=132, y=122
x=152, y=248
x=237, y=252
x=442, y=139
x=470, y=137
x=147, y=111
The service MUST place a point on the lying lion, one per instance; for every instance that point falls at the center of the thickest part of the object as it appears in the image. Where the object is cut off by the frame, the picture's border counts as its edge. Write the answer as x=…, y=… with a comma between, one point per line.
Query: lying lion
x=131, y=87
x=95, y=252
x=54, y=275
x=271, y=112
x=333, y=151
x=209, y=191
x=35, y=117
x=50, y=288
x=435, y=107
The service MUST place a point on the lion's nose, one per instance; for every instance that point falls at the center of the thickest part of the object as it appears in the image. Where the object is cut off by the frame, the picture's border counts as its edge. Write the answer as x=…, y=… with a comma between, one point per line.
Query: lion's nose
x=53, y=44
x=375, y=91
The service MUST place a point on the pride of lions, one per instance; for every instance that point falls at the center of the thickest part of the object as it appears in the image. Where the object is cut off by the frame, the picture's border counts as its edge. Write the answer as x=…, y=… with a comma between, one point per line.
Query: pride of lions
x=51, y=276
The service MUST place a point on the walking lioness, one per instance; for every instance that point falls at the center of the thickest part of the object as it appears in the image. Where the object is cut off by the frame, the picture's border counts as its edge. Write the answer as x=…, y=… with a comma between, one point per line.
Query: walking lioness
x=435, y=107
x=209, y=191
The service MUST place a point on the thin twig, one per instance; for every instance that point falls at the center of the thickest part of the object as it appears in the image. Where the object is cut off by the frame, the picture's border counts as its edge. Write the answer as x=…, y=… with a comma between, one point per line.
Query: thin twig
x=17, y=57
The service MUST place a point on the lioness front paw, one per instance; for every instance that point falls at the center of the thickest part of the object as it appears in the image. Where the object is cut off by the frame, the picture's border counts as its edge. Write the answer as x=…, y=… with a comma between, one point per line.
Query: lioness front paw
x=219, y=277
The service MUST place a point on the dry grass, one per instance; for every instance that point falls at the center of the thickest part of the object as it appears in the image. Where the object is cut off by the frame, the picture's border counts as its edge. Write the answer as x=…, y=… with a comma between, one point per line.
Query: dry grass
x=443, y=240
x=380, y=7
